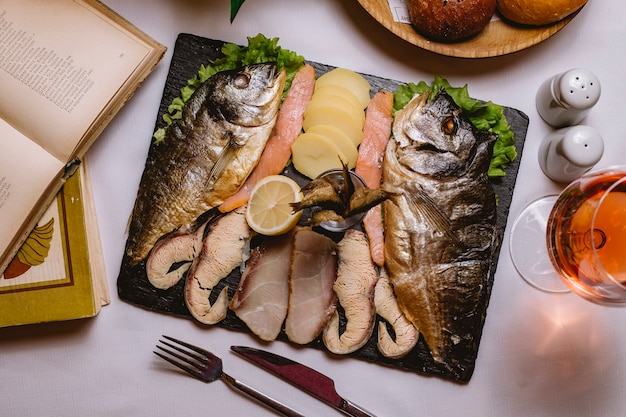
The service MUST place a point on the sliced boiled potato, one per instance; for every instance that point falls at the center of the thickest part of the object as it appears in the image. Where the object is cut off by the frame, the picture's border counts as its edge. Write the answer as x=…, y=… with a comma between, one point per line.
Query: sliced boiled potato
x=344, y=119
x=337, y=90
x=313, y=154
x=337, y=102
x=346, y=78
x=339, y=138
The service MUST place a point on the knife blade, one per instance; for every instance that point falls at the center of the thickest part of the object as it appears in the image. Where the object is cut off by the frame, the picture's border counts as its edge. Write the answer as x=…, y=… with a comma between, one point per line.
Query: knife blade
x=301, y=376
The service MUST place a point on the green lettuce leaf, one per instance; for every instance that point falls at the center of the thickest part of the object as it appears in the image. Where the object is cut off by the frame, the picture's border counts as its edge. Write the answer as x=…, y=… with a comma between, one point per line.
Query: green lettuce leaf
x=259, y=49
x=484, y=116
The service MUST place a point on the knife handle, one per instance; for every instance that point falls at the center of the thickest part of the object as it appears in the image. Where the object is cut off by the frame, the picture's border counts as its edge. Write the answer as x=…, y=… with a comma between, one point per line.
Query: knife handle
x=354, y=410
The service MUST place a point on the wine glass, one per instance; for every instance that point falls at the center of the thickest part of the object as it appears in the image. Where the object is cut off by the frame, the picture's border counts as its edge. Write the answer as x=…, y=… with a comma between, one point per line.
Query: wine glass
x=578, y=236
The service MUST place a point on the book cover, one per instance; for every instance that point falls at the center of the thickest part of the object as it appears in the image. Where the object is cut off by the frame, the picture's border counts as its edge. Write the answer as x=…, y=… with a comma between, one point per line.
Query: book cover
x=58, y=273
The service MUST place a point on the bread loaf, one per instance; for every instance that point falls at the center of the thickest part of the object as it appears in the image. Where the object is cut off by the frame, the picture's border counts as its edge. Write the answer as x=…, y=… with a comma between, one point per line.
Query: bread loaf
x=538, y=12
x=450, y=20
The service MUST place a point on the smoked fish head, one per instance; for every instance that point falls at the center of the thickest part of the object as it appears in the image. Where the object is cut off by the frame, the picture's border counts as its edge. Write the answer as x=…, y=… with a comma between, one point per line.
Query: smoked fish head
x=435, y=139
x=245, y=96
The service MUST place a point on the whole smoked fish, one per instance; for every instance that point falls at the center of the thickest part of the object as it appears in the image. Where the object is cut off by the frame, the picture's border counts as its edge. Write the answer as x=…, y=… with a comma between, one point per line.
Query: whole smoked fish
x=207, y=154
x=440, y=224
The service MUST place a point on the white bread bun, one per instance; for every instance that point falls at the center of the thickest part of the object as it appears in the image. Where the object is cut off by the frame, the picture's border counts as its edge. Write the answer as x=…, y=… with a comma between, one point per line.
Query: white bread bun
x=538, y=12
x=450, y=20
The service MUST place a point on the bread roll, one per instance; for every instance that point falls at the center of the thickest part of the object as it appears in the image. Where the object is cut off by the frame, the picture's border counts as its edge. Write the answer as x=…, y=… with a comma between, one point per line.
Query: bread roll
x=450, y=20
x=538, y=12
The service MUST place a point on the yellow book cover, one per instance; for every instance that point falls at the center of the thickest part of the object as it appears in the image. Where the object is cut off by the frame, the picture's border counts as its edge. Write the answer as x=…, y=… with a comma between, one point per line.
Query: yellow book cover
x=58, y=273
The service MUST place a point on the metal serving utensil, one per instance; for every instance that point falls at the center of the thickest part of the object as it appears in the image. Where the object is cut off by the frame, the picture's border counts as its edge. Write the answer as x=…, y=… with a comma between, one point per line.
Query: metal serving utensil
x=307, y=379
x=207, y=367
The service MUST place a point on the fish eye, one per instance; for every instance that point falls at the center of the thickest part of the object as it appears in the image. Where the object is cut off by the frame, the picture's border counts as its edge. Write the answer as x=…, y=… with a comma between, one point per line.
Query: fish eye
x=242, y=80
x=448, y=126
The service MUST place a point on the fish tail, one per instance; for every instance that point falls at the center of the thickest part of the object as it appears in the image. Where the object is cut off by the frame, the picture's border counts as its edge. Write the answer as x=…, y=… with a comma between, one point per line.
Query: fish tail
x=296, y=206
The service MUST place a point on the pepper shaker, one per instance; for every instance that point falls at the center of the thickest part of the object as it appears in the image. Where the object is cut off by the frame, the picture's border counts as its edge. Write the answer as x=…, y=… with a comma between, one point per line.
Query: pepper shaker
x=567, y=153
x=566, y=98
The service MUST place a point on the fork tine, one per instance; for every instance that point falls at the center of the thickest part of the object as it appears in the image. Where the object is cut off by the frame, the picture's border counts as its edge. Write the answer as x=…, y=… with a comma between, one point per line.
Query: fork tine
x=187, y=353
x=190, y=346
x=193, y=372
x=198, y=364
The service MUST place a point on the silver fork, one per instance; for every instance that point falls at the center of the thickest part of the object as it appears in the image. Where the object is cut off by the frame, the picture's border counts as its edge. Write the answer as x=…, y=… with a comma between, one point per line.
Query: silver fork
x=207, y=367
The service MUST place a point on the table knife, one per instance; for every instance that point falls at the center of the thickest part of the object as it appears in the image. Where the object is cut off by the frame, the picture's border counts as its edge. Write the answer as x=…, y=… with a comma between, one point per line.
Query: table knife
x=303, y=377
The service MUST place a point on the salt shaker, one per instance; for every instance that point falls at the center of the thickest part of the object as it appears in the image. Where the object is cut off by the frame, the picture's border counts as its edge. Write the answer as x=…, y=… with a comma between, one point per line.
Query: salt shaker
x=567, y=153
x=566, y=98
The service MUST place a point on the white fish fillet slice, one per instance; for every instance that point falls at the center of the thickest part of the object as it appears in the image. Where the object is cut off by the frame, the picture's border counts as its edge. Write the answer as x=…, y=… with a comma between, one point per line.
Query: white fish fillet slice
x=263, y=294
x=312, y=300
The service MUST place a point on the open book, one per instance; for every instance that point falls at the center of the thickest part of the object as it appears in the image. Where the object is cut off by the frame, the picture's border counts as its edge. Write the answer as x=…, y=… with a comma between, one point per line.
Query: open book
x=58, y=273
x=66, y=68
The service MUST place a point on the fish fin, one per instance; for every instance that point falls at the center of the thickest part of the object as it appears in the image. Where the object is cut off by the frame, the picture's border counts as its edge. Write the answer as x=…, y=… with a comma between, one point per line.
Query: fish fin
x=223, y=159
x=423, y=204
x=347, y=188
x=128, y=222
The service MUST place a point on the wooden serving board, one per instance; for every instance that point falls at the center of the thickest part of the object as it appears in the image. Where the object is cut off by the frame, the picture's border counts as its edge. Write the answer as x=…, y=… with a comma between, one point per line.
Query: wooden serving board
x=498, y=38
x=189, y=53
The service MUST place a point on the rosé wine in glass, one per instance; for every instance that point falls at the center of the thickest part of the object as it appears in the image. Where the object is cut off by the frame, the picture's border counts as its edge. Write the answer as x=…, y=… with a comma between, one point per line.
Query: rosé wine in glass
x=584, y=229
x=586, y=236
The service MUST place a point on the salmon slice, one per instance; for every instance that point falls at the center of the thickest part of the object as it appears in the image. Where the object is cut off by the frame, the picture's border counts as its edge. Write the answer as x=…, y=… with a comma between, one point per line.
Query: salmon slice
x=376, y=133
x=278, y=148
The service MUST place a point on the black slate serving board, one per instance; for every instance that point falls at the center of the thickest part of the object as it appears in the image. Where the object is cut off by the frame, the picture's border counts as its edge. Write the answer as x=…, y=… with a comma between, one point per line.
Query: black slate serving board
x=192, y=51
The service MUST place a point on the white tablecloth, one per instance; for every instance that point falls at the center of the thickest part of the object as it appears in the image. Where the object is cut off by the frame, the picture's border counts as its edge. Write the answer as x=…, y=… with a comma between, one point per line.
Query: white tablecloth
x=540, y=355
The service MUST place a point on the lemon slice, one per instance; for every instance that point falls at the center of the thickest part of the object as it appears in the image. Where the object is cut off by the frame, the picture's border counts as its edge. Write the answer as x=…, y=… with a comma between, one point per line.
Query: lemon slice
x=269, y=211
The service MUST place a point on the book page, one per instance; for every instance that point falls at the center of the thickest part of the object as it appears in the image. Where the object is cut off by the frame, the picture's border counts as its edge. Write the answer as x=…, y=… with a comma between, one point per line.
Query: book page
x=60, y=64
x=26, y=170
